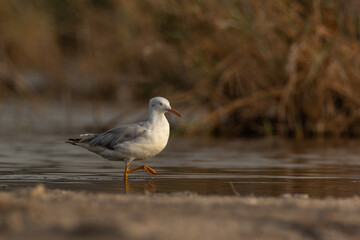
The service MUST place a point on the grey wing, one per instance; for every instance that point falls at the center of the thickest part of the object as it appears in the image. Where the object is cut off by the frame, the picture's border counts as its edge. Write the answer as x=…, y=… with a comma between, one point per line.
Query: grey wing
x=118, y=134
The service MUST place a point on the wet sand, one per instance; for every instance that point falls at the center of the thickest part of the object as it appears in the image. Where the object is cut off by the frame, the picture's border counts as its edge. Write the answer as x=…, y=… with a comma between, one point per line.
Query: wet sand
x=40, y=213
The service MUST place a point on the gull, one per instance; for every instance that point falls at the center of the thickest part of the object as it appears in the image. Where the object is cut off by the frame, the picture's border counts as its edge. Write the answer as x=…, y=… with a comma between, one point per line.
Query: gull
x=135, y=141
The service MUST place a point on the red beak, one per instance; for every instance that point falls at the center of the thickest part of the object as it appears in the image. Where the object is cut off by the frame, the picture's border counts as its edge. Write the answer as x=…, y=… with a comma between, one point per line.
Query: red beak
x=175, y=112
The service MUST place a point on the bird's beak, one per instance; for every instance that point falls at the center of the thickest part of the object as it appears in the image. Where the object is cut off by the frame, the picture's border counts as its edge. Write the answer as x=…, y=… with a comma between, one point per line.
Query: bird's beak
x=174, y=112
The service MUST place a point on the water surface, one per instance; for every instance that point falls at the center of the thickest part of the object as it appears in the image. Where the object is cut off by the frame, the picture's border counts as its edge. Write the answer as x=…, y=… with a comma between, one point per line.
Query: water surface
x=270, y=167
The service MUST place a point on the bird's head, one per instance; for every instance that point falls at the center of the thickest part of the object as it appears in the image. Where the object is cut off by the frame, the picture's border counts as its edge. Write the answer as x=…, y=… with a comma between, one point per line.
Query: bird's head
x=162, y=105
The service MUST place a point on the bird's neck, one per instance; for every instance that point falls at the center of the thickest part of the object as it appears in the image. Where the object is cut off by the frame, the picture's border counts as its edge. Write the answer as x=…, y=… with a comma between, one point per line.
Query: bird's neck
x=157, y=118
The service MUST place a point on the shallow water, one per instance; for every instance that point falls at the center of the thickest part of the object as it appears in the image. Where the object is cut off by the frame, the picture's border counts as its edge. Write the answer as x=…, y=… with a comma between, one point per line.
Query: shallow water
x=270, y=167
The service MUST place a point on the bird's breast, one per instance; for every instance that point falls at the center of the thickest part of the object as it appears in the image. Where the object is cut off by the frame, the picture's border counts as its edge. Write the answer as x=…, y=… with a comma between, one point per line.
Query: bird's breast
x=160, y=137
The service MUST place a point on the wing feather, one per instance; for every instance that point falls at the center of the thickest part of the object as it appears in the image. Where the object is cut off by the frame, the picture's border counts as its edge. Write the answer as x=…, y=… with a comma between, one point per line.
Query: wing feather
x=120, y=134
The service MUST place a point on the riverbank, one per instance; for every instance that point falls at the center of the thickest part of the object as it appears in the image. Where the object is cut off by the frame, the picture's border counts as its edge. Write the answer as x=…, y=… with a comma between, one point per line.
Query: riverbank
x=40, y=213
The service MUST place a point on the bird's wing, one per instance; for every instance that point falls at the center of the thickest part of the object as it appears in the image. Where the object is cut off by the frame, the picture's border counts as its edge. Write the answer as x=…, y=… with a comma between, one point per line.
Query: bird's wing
x=120, y=134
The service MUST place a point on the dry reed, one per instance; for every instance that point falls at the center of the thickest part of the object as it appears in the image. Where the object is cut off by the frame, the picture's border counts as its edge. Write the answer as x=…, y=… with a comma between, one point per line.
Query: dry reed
x=259, y=67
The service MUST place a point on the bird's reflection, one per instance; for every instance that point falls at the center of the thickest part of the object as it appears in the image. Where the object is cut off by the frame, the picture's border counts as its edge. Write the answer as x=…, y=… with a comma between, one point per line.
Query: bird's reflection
x=139, y=186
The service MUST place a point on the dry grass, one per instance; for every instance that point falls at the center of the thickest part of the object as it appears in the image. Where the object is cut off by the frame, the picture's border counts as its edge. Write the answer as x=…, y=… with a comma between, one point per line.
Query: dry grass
x=260, y=67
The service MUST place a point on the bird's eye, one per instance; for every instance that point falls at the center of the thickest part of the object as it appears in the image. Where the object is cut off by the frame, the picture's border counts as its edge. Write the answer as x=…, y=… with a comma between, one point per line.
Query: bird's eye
x=161, y=104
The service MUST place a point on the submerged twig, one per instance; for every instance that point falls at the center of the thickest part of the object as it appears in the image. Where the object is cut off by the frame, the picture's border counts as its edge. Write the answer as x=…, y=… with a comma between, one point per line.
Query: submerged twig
x=234, y=189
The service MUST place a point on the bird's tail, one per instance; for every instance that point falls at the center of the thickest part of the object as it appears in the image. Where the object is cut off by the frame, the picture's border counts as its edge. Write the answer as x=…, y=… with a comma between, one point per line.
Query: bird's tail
x=73, y=141
x=84, y=138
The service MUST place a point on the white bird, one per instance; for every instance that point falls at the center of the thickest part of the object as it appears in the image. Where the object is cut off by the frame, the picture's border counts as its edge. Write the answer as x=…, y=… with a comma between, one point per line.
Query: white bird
x=135, y=141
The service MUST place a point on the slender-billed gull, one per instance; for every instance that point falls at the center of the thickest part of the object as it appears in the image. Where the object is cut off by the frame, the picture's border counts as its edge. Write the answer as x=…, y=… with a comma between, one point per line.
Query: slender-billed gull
x=135, y=141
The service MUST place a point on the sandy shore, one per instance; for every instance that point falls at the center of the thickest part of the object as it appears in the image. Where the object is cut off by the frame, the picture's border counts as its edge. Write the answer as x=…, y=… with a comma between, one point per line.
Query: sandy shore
x=53, y=214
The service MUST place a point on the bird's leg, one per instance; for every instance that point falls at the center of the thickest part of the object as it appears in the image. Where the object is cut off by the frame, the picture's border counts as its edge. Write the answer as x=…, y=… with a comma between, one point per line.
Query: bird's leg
x=145, y=167
x=126, y=186
x=126, y=172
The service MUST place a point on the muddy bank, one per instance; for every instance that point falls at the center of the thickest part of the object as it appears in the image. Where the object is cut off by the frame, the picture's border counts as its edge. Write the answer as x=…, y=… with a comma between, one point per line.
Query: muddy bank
x=54, y=214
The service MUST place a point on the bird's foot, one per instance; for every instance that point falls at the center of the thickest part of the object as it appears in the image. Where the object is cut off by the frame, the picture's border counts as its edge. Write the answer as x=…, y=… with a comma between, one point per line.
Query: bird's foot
x=149, y=170
x=145, y=167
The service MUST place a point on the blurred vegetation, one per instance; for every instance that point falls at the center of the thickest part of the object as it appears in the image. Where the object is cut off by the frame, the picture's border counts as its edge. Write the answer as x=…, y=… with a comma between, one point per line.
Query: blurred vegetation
x=255, y=67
